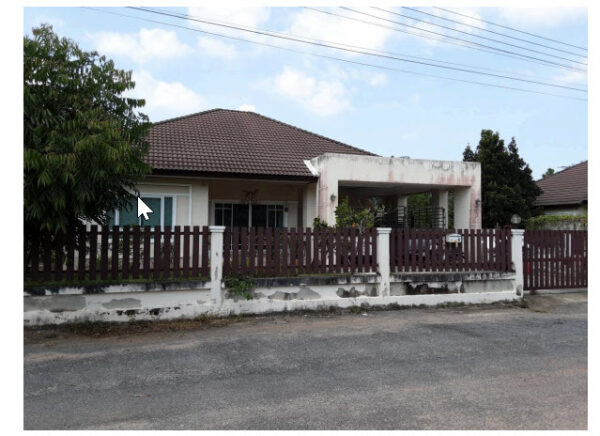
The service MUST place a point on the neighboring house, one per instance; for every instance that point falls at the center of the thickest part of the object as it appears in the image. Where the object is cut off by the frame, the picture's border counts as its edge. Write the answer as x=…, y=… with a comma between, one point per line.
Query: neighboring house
x=233, y=168
x=565, y=192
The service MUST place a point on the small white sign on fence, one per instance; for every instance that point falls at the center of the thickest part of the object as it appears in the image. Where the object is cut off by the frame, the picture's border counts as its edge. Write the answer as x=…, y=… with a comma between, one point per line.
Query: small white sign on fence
x=454, y=238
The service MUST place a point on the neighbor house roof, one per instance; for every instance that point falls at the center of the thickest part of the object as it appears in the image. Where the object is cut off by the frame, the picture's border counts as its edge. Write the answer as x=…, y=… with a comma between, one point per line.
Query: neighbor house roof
x=568, y=186
x=234, y=143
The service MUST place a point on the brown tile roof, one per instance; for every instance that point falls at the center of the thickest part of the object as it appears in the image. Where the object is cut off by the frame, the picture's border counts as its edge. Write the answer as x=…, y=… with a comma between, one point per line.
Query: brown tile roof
x=568, y=186
x=238, y=143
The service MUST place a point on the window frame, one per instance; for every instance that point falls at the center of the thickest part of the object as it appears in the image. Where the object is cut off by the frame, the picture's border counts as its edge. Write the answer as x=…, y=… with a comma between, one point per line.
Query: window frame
x=213, y=209
x=162, y=197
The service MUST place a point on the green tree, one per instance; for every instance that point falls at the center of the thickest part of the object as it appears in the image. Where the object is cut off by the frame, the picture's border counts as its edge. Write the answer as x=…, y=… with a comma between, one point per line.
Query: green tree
x=549, y=172
x=346, y=216
x=83, y=138
x=506, y=182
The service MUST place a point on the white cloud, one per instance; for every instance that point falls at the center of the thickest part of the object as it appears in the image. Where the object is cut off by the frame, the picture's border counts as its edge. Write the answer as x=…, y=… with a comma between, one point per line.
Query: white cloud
x=165, y=99
x=415, y=99
x=377, y=79
x=433, y=35
x=571, y=77
x=146, y=45
x=247, y=107
x=347, y=74
x=324, y=27
x=250, y=17
x=253, y=17
x=320, y=96
x=540, y=18
x=216, y=48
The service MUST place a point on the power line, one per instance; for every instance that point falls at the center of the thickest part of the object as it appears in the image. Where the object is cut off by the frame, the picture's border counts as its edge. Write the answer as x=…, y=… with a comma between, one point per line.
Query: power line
x=479, y=36
x=483, y=29
x=453, y=37
x=373, y=50
x=420, y=35
x=511, y=28
x=383, y=67
x=497, y=51
x=319, y=44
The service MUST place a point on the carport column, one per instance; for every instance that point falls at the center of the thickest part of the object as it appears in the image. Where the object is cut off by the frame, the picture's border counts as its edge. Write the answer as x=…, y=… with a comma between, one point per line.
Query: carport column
x=517, y=258
x=216, y=263
x=401, y=200
x=439, y=198
x=383, y=260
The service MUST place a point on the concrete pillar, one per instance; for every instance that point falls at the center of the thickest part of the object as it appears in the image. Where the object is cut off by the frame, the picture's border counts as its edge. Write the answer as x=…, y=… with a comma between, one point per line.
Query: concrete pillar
x=199, y=215
x=383, y=260
x=517, y=258
x=326, y=190
x=309, y=204
x=401, y=200
x=439, y=198
x=216, y=264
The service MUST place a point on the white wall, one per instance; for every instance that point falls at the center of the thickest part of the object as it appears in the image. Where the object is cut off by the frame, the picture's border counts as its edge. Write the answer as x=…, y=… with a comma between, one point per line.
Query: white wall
x=359, y=170
x=309, y=204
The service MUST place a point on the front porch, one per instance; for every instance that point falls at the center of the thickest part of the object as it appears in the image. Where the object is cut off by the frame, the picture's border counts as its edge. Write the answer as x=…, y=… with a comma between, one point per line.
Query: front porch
x=392, y=181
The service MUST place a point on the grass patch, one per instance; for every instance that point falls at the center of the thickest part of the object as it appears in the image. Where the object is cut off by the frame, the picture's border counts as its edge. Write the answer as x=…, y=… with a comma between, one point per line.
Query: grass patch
x=104, y=329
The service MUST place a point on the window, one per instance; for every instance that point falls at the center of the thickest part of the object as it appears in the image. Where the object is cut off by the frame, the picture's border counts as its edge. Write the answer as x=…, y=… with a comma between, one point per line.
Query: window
x=269, y=215
x=162, y=213
x=232, y=215
x=245, y=215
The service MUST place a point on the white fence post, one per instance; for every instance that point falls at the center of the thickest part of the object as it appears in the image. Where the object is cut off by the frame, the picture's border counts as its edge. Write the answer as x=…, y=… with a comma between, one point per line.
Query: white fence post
x=517, y=258
x=216, y=263
x=383, y=259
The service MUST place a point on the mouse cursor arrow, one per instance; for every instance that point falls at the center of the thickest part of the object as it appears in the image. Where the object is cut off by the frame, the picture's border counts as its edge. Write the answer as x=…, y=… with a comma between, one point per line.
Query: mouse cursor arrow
x=143, y=209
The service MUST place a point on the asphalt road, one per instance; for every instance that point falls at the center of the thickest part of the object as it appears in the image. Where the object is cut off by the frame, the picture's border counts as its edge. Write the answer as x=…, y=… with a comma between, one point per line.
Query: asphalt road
x=462, y=368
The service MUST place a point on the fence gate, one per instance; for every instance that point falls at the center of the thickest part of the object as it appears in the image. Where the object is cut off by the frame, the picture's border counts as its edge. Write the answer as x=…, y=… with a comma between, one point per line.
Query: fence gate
x=555, y=259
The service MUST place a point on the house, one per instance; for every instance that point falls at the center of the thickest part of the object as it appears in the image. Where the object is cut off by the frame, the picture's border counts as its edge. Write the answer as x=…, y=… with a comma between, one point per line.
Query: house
x=565, y=192
x=234, y=168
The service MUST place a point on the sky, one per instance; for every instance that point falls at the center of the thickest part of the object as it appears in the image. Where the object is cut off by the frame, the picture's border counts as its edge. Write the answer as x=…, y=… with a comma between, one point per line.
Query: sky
x=179, y=71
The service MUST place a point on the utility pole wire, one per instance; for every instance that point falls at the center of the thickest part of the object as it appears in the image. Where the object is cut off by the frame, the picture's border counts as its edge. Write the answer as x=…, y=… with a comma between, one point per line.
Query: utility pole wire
x=483, y=29
x=383, y=67
x=511, y=28
x=499, y=52
x=304, y=41
x=448, y=36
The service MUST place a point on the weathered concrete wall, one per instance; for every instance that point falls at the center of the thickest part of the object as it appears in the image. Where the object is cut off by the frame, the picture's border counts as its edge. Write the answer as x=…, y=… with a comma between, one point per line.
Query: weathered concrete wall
x=355, y=170
x=169, y=301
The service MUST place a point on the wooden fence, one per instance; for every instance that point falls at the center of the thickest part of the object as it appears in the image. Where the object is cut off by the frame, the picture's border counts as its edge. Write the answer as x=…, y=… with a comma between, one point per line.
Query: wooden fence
x=427, y=250
x=119, y=253
x=554, y=259
x=266, y=252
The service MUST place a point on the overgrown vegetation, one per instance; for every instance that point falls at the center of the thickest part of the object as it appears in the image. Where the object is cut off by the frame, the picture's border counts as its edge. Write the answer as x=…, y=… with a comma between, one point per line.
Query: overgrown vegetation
x=562, y=222
x=241, y=287
x=347, y=216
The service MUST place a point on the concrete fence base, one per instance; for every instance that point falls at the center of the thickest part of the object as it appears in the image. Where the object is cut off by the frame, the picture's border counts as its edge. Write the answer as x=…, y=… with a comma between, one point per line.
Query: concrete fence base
x=161, y=301
x=172, y=301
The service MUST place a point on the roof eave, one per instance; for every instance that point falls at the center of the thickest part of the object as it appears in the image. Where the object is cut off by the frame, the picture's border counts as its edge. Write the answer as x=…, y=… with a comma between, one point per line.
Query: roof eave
x=231, y=175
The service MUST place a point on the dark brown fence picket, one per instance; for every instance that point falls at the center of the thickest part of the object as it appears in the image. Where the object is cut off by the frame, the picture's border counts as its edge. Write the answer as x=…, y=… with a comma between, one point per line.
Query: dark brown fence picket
x=267, y=252
x=196, y=251
x=70, y=250
x=427, y=250
x=114, y=266
x=555, y=259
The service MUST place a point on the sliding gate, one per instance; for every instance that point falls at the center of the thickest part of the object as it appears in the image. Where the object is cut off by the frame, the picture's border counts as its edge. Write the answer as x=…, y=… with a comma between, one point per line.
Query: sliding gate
x=555, y=259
